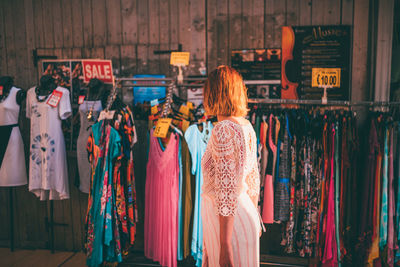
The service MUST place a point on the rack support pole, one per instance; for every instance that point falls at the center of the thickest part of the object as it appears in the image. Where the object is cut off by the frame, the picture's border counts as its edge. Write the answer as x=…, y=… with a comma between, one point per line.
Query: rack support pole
x=11, y=220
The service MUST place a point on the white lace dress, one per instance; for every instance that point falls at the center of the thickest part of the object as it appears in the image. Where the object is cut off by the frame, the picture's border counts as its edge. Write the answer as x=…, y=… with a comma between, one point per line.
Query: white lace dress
x=231, y=181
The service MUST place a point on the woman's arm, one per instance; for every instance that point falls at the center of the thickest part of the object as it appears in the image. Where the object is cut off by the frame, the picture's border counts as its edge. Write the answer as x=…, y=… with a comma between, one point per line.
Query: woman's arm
x=225, y=232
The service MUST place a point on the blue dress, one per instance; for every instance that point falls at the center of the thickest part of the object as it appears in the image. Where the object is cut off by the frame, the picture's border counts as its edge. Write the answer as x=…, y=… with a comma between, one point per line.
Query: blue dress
x=197, y=143
x=102, y=240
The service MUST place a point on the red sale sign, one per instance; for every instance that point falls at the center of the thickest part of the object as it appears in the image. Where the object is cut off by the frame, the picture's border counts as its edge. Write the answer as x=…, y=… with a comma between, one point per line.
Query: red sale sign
x=100, y=69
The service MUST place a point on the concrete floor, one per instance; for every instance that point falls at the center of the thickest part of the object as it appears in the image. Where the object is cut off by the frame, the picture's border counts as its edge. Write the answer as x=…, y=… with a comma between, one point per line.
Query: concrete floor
x=42, y=258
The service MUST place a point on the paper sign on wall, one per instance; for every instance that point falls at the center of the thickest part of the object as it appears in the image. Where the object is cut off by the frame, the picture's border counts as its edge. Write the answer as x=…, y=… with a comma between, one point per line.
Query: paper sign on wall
x=100, y=69
x=180, y=58
x=325, y=77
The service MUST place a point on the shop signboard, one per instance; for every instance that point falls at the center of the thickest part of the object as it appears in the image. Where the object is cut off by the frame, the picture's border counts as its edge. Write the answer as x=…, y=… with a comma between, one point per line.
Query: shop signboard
x=97, y=68
x=305, y=48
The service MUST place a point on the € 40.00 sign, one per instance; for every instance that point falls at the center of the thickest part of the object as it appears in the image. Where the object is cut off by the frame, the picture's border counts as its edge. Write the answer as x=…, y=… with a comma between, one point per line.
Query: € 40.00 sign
x=100, y=69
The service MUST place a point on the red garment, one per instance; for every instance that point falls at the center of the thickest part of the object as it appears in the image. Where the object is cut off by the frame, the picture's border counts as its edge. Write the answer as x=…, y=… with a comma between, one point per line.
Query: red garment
x=161, y=202
x=330, y=248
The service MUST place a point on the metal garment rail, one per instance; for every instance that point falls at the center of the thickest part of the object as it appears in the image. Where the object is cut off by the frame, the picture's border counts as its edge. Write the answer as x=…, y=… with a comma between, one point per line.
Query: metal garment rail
x=187, y=82
x=199, y=82
x=320, y=103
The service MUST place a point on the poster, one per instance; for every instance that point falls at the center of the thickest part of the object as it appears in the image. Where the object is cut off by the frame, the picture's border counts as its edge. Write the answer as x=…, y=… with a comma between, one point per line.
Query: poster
x=68, y=74
x=308, y=47
x=142, y=94
x=257, y=64
x=195, y=95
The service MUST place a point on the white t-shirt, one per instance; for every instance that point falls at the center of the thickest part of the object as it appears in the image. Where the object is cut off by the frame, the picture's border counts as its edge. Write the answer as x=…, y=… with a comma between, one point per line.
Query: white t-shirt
x=48, y=173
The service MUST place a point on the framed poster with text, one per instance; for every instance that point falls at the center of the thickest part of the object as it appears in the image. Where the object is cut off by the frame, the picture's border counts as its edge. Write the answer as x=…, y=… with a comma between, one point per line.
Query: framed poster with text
x=305, y=48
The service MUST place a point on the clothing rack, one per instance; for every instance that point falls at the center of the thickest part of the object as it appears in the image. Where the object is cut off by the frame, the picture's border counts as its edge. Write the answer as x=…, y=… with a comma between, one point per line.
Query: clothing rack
x=187, y=82
x=320, y=103
x=11, y=219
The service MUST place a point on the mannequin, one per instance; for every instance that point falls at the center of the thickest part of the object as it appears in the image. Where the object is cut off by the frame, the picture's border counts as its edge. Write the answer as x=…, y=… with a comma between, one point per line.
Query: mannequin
x=12, y=156
x=46, y=87
x=7, y=82
x=89, y=111
x=47, y=106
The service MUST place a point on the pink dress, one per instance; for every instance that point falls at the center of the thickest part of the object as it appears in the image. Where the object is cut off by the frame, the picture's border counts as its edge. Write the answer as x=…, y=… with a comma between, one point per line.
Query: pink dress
x=231, y=179
x=268, y=207
x=161, y=201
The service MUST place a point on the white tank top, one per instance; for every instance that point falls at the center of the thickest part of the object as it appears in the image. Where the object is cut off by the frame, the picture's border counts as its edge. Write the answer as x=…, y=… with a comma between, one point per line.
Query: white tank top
x=9, y=108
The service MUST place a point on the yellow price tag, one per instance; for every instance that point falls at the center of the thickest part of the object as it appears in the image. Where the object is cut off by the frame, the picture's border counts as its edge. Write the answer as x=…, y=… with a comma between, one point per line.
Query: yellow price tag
x=184, y=110
x=322, y=77
x=162, y=127
x=190, y=105
x=154, y=110
x=179, y=58
x=185, y=125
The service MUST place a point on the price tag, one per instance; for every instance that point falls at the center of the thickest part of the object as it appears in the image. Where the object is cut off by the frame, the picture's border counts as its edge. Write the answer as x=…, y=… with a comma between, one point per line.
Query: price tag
x=322, y=77
x=154, y=110
x=54, y=99
x=162, y=127
x=190, y=105
x=179, y=58
x=81, y=99
x=153, y=117
x=185, y=125
x=154, y=102
x=184, y=110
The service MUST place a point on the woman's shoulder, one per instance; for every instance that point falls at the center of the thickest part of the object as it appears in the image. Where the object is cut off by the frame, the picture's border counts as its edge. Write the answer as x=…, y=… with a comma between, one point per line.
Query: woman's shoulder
x=226, y=131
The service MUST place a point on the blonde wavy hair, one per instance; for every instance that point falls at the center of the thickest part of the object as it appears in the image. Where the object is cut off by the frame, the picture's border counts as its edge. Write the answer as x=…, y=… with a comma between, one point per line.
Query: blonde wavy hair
x=225, y=93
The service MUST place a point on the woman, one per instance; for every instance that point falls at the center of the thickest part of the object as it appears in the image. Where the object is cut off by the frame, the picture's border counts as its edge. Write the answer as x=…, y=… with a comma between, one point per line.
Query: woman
x=231, y=224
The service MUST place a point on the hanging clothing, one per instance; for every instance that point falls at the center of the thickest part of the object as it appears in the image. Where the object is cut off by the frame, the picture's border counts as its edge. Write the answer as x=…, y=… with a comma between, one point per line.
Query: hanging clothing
x=161, y=201
x=48, y=171
x=124, y=178
x=188, y=182
x=268, y=205
x=397, y=176
x=330, y=249
x=231, y=187
x=84, y=133
x=102, y=238
x=282, y=192
x=367, y=196
x=12, y=156
x=391, y=205
x=384, y=205
x=197, y=142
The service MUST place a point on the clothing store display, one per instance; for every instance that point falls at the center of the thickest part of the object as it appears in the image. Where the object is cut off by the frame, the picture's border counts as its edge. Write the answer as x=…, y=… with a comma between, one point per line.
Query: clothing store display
x=12, y=156
x=197, y=142
x=84, y=132
x=48, y=172
x=231, y=181
x=325, y=183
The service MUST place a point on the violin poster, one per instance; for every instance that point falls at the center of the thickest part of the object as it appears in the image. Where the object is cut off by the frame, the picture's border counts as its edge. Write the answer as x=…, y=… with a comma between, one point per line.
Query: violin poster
x=308, y=47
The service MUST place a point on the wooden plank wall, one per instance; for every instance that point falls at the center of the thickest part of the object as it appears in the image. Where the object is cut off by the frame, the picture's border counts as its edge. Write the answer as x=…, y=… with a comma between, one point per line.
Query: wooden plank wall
x=128, y=32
